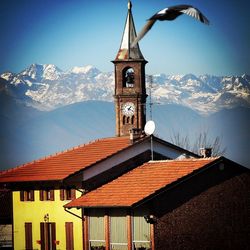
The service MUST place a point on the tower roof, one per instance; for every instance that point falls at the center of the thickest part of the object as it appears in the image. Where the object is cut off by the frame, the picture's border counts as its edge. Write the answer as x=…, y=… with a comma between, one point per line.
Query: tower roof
x=127, y=52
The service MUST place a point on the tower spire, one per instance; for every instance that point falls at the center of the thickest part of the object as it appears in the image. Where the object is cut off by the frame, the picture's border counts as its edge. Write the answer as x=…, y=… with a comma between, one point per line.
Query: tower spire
x=126, y=51
x=130, y=90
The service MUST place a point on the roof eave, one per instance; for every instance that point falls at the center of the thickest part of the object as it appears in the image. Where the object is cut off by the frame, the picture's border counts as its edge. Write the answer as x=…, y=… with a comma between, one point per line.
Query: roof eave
x=17, y=185
x=68, y=206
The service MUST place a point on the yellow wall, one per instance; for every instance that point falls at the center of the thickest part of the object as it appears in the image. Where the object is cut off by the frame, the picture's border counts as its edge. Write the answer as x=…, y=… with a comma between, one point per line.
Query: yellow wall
x=34, y=211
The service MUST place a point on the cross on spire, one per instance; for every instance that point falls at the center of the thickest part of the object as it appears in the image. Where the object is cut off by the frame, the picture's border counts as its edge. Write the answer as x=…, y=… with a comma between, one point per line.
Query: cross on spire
x=129, y=5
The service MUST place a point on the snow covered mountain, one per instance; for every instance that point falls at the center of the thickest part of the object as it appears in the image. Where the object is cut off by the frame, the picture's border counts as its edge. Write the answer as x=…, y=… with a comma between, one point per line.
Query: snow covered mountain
x=205, y=94
x=46, y=87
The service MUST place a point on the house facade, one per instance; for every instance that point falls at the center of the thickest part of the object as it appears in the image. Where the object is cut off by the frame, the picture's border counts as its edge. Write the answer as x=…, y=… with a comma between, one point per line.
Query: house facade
x=170, y=204
x=40, y=222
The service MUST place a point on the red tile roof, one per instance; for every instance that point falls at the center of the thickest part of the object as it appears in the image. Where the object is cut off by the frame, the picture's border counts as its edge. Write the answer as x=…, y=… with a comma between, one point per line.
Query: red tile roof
x=139, y=183
x=59, y=166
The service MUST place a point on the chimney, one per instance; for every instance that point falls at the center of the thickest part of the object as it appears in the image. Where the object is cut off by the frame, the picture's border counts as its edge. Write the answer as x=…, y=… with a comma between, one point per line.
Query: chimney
x=134, y=134
x=206, y=152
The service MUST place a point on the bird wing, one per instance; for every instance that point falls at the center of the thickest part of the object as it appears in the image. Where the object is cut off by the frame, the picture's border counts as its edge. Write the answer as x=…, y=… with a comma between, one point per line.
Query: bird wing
x=195, y=13
x=143, y=32
x=170, y=14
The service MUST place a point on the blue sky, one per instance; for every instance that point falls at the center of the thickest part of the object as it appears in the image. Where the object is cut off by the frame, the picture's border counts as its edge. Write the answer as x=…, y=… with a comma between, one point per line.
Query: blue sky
x=71, y=33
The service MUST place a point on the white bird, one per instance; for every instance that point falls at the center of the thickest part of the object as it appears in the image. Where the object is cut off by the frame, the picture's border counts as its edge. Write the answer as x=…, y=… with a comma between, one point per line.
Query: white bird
x=170, y=14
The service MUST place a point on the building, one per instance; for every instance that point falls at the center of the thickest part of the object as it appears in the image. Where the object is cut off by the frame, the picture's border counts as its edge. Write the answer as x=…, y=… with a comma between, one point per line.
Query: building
x=5, y=219
x=171, y=204
x=41, y=188
x=109, y=194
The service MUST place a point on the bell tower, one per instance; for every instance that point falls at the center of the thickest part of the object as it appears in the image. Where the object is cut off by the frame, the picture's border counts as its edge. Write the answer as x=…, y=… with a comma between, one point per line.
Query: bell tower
x=130, y=90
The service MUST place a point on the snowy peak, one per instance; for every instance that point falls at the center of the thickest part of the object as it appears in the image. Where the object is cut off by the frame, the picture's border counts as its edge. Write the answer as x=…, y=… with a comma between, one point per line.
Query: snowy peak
x=35, y=71
x=12, y=78
x=51, y=72
x=8, y=76
x=89, y=70
x=39, y=72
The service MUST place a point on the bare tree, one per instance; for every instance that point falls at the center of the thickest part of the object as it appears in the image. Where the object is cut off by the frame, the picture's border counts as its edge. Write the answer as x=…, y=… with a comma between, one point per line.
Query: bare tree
x=203, y=140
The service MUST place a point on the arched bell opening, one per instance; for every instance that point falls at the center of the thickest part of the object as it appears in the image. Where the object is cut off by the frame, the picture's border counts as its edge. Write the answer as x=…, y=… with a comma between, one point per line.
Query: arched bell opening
x=128, y=77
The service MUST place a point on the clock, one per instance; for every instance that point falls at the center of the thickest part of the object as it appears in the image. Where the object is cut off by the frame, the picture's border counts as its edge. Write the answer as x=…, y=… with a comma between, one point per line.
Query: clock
x=128, y=108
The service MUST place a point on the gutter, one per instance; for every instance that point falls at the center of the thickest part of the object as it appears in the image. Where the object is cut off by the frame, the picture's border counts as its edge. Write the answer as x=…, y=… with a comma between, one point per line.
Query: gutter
x=76, y=215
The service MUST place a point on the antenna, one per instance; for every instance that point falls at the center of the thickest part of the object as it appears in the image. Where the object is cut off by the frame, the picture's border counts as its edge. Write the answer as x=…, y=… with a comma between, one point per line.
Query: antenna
x=150, y=125
x=150, y=80
x=149, y=130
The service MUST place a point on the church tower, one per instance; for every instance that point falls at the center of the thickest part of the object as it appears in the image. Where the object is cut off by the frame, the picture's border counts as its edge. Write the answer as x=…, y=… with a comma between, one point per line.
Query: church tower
x=130, y=90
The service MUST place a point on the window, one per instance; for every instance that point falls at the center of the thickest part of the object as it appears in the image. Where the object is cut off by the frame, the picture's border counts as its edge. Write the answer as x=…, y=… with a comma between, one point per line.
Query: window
x=47, y=195
x=128, y=77
x=118, y=230
x=128, y=119
x=96, y=229
x=67, y=194
x=28, y=236
x=27, y=195
x=132, y=119
x=141, y=231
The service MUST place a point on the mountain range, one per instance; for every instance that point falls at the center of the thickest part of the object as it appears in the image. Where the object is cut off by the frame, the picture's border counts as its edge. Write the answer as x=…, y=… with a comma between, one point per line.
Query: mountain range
x=46, y=87
x=44, y=110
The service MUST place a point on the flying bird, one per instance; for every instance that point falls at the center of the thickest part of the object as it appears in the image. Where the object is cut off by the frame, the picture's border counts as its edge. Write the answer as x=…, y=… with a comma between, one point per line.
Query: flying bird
x=170, y=14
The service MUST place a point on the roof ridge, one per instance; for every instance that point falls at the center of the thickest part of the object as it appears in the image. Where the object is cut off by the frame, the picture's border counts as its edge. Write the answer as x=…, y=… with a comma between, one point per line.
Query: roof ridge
x=58, y=153
x=181, y=160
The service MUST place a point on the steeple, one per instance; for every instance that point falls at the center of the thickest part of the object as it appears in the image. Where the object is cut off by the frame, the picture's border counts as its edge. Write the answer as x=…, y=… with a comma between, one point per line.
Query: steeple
x=127, y=52
x=130, y=88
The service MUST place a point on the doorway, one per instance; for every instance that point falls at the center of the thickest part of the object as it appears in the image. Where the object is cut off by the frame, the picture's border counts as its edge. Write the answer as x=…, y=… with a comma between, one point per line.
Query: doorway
x=48, y=235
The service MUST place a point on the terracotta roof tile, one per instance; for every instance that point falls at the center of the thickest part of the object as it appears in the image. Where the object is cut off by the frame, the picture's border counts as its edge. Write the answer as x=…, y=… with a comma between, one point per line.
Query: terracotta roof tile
x=61, y=165
x=139, y=183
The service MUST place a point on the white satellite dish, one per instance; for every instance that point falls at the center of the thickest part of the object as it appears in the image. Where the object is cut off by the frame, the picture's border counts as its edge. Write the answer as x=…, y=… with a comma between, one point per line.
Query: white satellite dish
x=149, y=127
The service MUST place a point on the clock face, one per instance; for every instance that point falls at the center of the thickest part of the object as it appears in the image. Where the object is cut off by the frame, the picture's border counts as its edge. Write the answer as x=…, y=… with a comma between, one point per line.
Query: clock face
x=128, y=108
